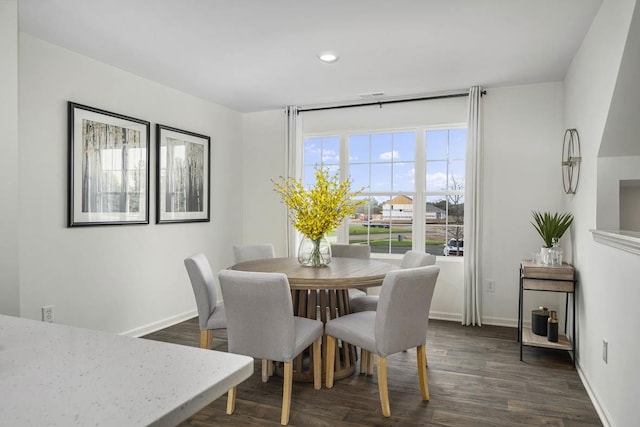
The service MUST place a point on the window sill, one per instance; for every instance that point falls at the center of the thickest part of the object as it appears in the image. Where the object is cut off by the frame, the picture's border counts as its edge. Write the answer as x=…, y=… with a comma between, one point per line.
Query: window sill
x=398, y=257
x=625, y=240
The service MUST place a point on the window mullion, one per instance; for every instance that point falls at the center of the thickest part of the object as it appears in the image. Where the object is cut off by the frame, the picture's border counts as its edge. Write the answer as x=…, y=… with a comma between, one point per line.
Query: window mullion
x=419, y=201
x=343, y=229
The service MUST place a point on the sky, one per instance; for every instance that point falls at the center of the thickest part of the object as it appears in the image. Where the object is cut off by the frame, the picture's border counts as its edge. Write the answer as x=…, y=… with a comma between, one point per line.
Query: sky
x=386, y=162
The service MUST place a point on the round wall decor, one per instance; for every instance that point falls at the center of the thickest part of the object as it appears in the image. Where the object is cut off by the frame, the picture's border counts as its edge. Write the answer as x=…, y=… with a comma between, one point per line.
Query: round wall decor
x=571, y=161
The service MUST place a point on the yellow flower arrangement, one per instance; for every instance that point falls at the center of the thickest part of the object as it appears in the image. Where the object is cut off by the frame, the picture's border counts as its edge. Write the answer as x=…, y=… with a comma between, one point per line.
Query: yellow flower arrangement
x=321, y=208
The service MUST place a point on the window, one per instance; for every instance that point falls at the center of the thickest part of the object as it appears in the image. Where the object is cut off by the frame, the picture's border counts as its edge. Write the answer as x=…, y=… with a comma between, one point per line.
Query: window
x=444, y=189
x=410, y=203
x=384, y=164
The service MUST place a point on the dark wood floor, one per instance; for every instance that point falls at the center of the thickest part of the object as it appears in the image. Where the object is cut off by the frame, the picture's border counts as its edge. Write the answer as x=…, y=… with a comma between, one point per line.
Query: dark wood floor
x=475, y=379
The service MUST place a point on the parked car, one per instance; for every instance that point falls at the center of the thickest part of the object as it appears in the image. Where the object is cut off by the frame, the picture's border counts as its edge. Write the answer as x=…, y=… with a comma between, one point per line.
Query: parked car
x=374, y=225
x=454, y=247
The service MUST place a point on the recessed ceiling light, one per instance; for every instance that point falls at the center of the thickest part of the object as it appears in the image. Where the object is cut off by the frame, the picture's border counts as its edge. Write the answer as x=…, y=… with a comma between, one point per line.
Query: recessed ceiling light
x=328, y=57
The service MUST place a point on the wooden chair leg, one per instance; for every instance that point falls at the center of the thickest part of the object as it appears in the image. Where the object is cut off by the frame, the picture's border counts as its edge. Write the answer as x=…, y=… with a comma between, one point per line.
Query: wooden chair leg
x=364, y=361
x=382, y=386
x=206, y=337
x=426, y=362
x=370, y=364
x=286, y=392
x=331, y=350
x=231, y=401
x=265, y=370
x=317, y=364
x=270, y=368
x=422, y=372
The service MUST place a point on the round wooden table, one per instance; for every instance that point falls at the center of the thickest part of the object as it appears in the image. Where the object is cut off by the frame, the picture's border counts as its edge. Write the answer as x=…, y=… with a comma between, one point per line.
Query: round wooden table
x=323, y=293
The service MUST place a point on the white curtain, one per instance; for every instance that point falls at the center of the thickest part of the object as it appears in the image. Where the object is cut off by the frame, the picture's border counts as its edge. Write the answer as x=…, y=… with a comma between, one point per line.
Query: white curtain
x=471, y=306
x=293, y=163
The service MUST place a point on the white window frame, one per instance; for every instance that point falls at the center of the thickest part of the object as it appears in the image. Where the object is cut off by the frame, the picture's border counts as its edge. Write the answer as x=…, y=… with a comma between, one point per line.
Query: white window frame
x=419, y=194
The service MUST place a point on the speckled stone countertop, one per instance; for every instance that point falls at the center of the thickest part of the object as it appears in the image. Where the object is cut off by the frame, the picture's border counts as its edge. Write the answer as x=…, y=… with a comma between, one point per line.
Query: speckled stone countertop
x=56, y=375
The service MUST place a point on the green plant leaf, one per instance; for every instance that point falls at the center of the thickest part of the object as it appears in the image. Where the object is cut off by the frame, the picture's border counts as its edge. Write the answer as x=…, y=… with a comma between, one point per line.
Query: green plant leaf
x=550, y=226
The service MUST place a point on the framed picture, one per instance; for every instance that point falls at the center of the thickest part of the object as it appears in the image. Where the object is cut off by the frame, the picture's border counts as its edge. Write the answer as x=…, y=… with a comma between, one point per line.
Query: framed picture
x=183, y=175
x=108, y=168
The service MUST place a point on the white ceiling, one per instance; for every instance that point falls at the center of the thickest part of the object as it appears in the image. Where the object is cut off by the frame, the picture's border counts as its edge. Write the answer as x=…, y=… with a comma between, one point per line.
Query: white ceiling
x=255, y=55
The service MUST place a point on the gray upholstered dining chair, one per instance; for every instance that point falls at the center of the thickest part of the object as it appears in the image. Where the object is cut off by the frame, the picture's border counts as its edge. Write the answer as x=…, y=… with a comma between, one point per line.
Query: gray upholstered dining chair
x=211, y=315
x=411, y=259
x=343, y=250
x=399, y=323
x=261, y=324
x=243, y=253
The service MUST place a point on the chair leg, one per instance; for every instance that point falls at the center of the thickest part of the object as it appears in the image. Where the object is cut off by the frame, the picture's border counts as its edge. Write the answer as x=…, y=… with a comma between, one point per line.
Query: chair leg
x=364, y=361
x=206, y=337
x=286, y=392
x=231, y=401
x=267, y=370
x=331, y=354
x=317, y=364
x=426, y=362
x=382, y=386
x=370, y=364
x=422, y=372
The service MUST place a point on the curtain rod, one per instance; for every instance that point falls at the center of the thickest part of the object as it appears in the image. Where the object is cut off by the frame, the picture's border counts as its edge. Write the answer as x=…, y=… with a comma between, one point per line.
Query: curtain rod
x=389, y=101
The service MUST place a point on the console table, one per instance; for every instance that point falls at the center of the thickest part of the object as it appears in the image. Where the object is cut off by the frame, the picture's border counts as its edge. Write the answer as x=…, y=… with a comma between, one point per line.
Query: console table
x=547, y=278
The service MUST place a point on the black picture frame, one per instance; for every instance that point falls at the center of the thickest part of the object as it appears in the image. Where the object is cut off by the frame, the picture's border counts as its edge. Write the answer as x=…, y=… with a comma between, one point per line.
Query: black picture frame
x=108, y=175
x=183, y=176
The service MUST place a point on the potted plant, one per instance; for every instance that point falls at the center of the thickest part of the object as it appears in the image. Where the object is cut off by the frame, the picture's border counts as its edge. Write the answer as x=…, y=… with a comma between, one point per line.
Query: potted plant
x=551, y=227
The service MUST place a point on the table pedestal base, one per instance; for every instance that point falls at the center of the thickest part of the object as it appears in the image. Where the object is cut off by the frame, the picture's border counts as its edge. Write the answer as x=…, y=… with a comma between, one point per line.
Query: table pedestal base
x=322, y=304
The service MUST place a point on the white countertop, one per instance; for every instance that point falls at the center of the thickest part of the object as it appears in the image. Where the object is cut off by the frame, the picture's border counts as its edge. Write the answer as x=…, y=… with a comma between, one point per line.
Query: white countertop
x=56, y=375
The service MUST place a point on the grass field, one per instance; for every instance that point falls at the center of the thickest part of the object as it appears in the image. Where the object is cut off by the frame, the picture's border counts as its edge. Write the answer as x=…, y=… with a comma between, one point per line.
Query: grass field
x=384, y=236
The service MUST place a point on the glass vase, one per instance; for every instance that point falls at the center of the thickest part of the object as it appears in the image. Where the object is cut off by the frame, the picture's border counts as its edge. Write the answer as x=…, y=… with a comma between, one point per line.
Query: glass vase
x=556, y=253
x=314, y=253
x=545, y=256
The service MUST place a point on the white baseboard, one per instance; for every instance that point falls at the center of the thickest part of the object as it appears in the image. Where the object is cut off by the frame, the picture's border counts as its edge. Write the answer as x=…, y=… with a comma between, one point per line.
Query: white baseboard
x=457, y=317
x=160, y=324
x=440, y=315
x=605, y=418
x=500, y=321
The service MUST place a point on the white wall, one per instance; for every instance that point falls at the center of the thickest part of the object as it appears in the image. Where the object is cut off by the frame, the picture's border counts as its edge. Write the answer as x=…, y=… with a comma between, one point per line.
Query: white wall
x=389, y=116
x=9, y=208
x=608, y=293
x=263, y=159
x=612, y=170
x=116, y=278
x=629, y=203
x=522, y=151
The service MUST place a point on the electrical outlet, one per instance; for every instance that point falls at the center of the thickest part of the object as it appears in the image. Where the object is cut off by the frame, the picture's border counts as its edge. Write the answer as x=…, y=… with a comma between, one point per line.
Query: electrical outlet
x=491, y=285
x=605, y=350
x=47, y=314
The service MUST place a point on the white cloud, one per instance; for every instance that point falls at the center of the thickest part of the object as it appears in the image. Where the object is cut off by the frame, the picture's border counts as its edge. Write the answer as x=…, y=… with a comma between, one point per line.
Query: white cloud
x=330, y=155
x=437, y=181
x=389, y=155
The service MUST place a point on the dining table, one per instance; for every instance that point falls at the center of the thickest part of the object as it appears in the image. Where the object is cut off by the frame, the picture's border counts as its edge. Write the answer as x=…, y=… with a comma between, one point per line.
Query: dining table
x=59, y=375
x=323, y=293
